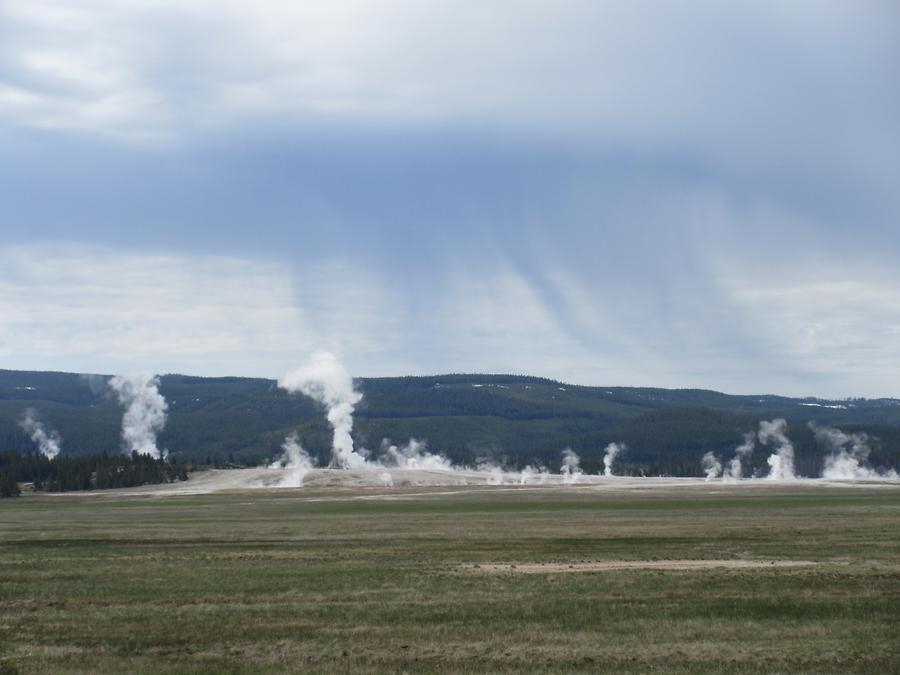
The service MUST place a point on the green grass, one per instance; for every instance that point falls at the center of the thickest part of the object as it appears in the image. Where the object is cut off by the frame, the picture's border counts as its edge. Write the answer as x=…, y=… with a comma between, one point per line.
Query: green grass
x=273, y=582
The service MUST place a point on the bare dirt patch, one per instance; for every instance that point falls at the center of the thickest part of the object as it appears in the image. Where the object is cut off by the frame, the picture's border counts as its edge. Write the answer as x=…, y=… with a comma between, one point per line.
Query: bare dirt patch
x=607, y=565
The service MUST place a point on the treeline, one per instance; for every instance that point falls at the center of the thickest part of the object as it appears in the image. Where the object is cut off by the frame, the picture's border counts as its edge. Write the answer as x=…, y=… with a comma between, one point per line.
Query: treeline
x=66, y=473
x=507, y=419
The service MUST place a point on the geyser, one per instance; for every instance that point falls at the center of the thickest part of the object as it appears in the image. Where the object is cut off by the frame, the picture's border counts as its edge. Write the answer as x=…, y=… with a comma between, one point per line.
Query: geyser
x=571, y=467
x=295, y=461
x=613, y=450
x=413, y=455
x=781, y=462
x=145, y=413
x=324, y=379
x=49, y=443
x=847, y=455
x=533, y=475
x=493, y=471
x=735, y=468
x=712, y=467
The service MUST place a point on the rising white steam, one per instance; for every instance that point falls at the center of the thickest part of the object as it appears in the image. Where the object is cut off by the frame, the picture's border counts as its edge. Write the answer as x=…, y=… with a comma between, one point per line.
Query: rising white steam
x=145, y=413
x=413, y=455
x=571, y=467
x=781, y=462
x=613, y=450
x=49, y=442
x=532, y=475
x=295, y=461
x=735, y=468
x=848, y=455
x=325, y=379
x=712, y=467
x=493, y=471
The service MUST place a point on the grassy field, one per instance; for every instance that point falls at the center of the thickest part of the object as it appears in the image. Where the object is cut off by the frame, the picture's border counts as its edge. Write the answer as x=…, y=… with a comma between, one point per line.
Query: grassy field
x=318, y=580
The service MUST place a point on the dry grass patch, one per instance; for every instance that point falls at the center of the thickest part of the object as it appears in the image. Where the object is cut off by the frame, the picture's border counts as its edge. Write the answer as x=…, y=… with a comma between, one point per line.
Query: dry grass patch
x=610, y=565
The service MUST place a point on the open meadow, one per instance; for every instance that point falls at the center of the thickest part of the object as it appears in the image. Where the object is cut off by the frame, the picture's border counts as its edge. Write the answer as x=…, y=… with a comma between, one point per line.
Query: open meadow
x=795, y=579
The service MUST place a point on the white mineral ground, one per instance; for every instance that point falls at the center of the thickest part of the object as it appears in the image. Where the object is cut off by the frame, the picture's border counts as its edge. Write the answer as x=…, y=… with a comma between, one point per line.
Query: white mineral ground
x=381, y=482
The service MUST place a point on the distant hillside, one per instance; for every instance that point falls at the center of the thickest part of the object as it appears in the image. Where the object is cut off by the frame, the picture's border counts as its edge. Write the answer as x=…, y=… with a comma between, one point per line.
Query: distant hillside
x=511, y=418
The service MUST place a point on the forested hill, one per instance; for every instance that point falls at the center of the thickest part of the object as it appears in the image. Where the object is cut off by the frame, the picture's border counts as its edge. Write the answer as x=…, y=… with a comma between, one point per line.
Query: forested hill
x=512, y=418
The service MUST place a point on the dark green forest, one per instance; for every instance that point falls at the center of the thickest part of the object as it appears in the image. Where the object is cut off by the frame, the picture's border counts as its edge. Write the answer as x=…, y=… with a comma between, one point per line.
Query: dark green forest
x=66, y=473
x=506, y=418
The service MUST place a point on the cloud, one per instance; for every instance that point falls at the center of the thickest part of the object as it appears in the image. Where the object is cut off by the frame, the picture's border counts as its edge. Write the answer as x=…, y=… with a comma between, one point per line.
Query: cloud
x=605, y=192
x=746, y=81
x=841, y=327
x=104, y=310
x=95, y=309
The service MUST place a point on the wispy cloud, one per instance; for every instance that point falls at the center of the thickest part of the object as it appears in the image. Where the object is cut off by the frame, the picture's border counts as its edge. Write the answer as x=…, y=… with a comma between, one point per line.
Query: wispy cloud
x=95, y=309
x=839, y=327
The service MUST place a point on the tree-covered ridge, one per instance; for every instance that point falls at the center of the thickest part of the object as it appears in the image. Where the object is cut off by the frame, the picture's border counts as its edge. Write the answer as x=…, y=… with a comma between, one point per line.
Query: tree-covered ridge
x=513, y=418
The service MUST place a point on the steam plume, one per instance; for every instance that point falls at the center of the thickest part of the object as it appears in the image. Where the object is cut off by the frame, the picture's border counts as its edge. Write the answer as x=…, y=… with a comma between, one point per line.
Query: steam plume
x=848, y=455
x=782, y=460
x=49, y=443
x=495, y=473
x=325, y=379
x=145, y=413
x=531, y=474
x=711, y=466
x=613, y=450
x=295, y=460
x=571, y=467
x=413, y=455
x=735, y=467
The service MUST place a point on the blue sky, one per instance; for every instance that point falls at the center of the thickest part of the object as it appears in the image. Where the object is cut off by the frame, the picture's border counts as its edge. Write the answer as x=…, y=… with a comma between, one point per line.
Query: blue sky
x=682, y=194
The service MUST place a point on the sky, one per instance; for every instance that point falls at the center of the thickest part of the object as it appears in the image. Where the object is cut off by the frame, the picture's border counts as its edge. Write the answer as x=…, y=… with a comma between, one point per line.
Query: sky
x=645, y=193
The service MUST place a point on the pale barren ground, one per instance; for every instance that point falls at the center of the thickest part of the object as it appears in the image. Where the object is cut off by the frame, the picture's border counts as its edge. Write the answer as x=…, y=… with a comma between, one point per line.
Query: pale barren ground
x=606, y=565
x=231, y=480
x=674, y=577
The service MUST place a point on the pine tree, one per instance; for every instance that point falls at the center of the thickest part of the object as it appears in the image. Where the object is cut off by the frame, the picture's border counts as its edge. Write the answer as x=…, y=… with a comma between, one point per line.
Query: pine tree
x=8, y=486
